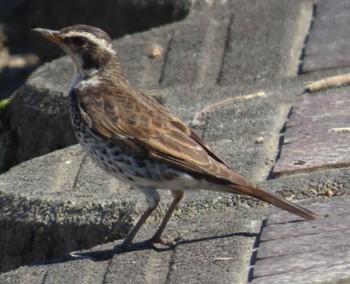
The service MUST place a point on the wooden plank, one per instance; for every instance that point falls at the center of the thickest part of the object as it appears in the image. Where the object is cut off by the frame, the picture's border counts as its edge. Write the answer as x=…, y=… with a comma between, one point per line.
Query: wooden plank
x=312, y=141
x=329, y=39
x=302, y=262
x=297, y=245
x=323, y=275
x=296, y=251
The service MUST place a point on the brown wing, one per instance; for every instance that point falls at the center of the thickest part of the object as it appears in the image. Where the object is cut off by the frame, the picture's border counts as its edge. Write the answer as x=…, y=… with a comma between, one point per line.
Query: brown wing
x=127, y=116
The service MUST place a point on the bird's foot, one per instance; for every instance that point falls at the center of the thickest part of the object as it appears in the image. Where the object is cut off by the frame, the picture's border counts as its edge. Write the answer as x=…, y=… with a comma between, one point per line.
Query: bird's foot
x=94, y=255
x=157, y=240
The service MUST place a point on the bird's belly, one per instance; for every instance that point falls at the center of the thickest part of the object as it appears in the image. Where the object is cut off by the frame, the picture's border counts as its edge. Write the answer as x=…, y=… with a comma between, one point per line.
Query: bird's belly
x=129, y=168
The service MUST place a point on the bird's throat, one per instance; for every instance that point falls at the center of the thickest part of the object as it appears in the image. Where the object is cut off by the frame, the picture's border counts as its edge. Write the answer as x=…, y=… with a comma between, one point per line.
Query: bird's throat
x=80, y=75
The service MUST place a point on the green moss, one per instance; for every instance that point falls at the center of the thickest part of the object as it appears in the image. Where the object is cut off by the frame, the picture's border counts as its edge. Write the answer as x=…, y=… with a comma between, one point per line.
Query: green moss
x=3, y=105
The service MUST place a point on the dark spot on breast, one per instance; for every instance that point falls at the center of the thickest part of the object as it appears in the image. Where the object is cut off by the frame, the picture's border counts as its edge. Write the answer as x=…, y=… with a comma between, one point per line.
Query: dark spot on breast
x=170, y=175
x=115, y=152
x=109, y=145
x=140, y=163
x=141, y=174
x=119, y=159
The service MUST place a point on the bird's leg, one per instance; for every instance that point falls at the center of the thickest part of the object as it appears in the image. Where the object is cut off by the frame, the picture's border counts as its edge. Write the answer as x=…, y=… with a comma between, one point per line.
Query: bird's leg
x=157, y=237
x=153, y=198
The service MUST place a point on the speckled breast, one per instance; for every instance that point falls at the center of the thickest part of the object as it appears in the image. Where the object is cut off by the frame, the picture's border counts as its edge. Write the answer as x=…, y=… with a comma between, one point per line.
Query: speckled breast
x=117, y=160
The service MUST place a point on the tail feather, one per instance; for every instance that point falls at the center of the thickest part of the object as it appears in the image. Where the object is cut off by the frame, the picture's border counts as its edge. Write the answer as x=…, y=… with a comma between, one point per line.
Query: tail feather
x=273, y=199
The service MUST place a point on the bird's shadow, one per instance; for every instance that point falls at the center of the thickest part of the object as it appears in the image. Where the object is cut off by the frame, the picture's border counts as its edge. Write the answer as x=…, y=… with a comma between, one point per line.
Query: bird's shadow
x=104, y=255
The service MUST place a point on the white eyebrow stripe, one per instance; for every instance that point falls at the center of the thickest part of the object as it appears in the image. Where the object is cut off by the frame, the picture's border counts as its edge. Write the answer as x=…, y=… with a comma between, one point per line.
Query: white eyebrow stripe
x=98, y=41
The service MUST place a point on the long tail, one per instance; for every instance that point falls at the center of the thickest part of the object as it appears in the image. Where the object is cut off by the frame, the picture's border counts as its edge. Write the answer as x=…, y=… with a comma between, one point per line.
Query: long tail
x=272, y=198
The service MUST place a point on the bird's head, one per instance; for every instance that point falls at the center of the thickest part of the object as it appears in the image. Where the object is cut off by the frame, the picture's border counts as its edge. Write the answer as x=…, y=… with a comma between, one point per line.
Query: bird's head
x=90, y=48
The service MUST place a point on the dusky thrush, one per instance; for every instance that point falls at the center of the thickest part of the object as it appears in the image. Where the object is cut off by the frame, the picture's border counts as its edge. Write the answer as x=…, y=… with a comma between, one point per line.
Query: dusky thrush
x=135, y=139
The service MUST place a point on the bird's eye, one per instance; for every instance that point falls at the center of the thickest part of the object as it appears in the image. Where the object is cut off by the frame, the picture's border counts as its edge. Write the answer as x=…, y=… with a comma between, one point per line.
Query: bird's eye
x=78, y=41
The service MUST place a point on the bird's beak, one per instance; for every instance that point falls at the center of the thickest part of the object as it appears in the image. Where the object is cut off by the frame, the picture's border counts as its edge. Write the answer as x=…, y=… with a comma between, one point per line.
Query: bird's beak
x=51, y=35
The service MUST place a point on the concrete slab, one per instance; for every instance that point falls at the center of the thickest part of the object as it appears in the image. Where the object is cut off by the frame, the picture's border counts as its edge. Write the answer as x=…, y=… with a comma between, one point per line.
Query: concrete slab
x=207, y=254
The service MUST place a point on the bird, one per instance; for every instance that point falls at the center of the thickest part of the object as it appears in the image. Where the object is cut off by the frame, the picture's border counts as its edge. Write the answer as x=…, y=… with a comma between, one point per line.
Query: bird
x=135, y=139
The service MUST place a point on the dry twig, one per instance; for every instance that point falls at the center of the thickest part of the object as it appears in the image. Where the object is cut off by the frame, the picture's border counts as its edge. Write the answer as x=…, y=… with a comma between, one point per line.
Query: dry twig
x=198, y=119
x=339, y=130
x=330, y=82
